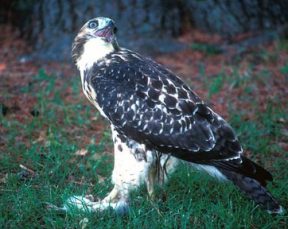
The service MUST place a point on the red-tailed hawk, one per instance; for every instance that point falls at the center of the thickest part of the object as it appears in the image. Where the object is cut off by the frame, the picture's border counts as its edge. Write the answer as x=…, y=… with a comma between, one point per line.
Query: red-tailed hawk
x=156, y=119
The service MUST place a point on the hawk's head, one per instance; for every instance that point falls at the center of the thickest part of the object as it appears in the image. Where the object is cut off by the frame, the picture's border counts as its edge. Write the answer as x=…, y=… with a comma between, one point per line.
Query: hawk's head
x=94, y=41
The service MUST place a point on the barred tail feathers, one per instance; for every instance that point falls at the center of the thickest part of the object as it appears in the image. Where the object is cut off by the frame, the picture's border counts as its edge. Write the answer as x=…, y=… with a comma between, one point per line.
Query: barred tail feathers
x=255, y=191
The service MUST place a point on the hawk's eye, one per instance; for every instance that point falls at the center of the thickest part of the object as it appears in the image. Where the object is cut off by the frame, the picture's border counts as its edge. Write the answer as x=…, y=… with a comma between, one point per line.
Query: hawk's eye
x=93, y=24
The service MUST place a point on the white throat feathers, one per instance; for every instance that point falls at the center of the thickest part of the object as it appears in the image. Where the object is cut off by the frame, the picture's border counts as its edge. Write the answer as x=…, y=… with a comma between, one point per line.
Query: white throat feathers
x=93, y=50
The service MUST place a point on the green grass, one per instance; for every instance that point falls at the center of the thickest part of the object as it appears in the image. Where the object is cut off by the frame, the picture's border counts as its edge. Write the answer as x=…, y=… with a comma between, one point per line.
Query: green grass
x=189, y=200
x=208, y=49
x=284, y=69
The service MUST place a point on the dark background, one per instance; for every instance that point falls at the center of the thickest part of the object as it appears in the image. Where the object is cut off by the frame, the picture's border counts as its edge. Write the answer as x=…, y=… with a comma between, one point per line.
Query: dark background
x=149, y=26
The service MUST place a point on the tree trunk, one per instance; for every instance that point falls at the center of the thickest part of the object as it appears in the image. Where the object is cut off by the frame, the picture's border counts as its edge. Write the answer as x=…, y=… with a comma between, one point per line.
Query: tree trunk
x=140, y=24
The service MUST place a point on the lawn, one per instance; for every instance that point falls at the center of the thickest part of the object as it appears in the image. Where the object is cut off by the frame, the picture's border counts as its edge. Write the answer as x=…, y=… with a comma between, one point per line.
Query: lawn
x=55, y=144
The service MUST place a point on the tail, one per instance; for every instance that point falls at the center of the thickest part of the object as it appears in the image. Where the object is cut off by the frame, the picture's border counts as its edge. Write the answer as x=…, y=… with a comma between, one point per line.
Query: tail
x=255, y=191
x=252, y=183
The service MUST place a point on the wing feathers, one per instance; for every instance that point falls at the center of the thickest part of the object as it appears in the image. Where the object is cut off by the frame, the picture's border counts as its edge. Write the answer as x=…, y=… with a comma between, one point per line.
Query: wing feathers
x=153, y=106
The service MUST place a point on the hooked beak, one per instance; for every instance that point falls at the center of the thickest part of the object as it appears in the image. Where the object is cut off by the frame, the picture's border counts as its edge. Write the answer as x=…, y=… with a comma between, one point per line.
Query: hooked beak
x=107, y=32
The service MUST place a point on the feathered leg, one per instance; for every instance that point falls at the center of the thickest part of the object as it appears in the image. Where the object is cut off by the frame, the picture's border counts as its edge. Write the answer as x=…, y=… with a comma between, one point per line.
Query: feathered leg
x=130, y=171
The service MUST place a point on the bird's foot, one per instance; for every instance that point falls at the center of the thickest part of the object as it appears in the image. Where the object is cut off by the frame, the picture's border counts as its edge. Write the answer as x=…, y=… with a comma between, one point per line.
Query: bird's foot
x=87, y=204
